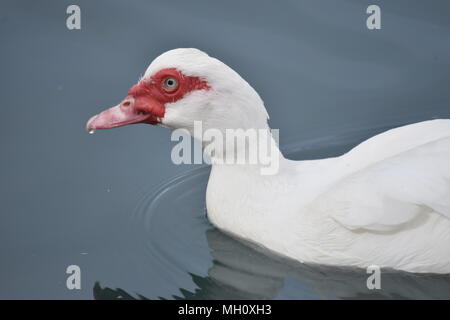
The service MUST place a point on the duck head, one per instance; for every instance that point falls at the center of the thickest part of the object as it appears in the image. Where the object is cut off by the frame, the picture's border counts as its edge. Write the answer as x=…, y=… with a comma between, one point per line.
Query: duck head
x=186, y=85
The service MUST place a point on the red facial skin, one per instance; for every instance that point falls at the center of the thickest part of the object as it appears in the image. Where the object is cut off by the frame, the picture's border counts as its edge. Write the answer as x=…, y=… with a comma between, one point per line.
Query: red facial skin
x=146, y=101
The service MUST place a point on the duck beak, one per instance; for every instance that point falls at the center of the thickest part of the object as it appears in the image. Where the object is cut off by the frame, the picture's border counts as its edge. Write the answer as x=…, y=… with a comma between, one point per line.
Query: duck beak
x=121, y=115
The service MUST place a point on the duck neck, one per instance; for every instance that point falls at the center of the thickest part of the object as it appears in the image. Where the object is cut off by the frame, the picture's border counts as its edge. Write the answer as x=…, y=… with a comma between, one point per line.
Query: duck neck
x=249, y=149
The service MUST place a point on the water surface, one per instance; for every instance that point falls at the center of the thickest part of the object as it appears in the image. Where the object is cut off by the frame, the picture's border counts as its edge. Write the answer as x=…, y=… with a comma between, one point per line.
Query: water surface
x=114, y=204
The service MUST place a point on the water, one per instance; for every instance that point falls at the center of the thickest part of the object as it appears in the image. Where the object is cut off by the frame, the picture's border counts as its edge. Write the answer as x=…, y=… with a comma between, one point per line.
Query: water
x=108, y=202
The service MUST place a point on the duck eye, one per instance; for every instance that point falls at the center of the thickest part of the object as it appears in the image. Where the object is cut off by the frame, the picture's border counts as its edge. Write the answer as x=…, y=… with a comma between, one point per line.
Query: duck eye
x=170, y=84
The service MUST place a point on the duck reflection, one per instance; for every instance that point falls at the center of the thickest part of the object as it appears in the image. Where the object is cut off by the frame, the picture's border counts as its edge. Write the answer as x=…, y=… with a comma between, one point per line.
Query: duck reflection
x=243, y=271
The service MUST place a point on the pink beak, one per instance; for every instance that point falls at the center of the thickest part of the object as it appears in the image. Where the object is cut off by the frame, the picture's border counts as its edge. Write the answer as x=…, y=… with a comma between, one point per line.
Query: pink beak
x=123, y=114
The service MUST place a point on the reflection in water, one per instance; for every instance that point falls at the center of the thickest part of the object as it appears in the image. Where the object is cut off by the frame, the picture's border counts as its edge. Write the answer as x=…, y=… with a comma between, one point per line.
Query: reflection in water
x=239, y=272
x=174, y=229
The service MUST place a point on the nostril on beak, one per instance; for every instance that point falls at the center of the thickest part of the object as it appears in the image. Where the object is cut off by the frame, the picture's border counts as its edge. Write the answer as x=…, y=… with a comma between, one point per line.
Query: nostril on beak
x=127, y=103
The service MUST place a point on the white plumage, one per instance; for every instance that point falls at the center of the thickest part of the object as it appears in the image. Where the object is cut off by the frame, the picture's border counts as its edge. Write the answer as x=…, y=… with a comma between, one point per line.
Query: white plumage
x=393, y=178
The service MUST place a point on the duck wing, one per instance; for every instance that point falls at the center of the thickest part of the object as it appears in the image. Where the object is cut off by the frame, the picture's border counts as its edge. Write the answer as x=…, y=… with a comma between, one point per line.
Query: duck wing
x=392, y=179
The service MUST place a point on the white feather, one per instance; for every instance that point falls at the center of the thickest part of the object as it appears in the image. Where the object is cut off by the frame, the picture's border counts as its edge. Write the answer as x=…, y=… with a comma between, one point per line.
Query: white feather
x=392, y=178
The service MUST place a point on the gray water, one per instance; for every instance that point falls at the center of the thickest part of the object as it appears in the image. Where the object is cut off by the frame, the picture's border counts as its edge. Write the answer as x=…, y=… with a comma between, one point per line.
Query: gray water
x=115, y=205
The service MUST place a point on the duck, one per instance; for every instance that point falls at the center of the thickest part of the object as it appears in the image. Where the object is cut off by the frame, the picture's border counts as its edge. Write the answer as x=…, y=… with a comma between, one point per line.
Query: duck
x=384, y=203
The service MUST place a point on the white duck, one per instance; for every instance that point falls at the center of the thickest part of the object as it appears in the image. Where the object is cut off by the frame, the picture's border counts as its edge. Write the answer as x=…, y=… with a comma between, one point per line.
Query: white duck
x=386, y=202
